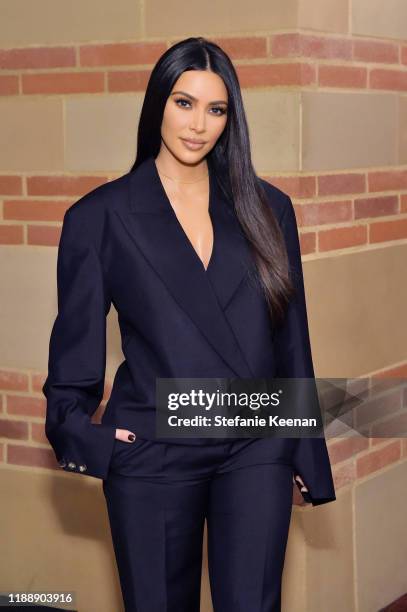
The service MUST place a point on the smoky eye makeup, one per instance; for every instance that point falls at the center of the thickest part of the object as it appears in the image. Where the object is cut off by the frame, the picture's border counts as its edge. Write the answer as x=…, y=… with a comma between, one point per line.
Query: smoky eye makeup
x=222, y=109
x=183, y=103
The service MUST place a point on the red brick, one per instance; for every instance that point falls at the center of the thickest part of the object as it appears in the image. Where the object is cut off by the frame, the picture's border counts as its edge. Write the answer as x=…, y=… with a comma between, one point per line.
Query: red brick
x=288, y=44
x=307, y=242
x=403, y=203
x=376, y=207
x=11, y=234
x=128, y=80
x=11, y=185
x=375, y=441
x=377, y=459
x=392, y=427
x=375, y=51
x=245, y=47
x=31, y=456
x=38, y=433
x=120, y=54
x=382, y=381
x=325, y=212
x=340, y=184
x=403, y=54
x=388, y=230
x=347, y=448
x=9, y=85
x=327, y=48
x=342, y=76
x=26, y=405
x=37, y=381
x=37, y=57
x=387, y=180
x=302, y=45
x=63, y=185
x=13, y=381
x=394, y=372
x=380, y=78
x=45, y=235
x=342, y=238
x=17, y=430
x=262, y=75
x=381, y=404
x=295, y=186
x=34, y=210
x=63, y=82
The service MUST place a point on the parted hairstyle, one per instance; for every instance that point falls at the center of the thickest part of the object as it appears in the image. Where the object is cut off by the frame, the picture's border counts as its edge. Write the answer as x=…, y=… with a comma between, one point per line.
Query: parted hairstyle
x=230, y=159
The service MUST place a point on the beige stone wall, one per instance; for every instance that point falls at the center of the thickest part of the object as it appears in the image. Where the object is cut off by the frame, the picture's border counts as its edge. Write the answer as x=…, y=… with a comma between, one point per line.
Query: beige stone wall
x=325, y=89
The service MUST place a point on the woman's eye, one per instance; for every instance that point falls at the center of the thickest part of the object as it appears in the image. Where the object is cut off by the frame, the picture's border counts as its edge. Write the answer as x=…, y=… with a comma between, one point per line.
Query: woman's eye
x=182, y=100
x=183, y=103
x=221, y=110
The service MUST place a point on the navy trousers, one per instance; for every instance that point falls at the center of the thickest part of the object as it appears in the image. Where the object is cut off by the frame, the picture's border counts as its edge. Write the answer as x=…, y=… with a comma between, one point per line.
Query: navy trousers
x=158, y=496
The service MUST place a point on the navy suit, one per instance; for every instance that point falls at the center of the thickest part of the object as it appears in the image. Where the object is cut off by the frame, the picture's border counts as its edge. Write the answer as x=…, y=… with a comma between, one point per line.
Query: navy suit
x=122, y=244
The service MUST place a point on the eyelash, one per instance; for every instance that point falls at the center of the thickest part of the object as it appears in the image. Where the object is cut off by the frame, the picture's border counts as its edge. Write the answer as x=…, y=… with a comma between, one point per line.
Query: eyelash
x=223, y=110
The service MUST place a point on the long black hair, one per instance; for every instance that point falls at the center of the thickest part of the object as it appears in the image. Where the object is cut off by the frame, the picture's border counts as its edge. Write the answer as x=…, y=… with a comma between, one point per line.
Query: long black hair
x=230, y=159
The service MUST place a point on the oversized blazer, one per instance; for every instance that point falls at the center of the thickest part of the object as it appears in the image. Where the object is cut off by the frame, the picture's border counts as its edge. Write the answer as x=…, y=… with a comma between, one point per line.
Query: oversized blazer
x=122, y=244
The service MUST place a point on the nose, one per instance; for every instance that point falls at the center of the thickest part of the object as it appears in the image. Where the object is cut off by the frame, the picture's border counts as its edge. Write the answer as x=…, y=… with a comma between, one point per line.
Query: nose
x=198, y=120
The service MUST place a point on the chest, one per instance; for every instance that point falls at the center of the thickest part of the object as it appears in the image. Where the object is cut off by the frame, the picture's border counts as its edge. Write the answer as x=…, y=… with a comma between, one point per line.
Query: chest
x=160, y=287
x=192, y=214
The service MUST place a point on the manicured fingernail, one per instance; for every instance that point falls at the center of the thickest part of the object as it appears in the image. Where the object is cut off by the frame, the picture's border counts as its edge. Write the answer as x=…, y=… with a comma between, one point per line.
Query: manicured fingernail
x=131, y=437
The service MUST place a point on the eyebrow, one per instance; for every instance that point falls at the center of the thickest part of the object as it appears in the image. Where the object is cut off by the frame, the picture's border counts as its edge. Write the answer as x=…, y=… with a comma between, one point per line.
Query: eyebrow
x=193, y=98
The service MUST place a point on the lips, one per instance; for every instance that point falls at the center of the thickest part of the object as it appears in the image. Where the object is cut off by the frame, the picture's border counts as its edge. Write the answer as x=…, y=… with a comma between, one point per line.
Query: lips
x=194, y=142
x=193, y=145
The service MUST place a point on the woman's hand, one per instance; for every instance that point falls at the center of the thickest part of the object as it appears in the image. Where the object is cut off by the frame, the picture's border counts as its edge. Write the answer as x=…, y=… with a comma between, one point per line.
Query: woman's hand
x=298, y=498
x=299, y=479
x=125, y=435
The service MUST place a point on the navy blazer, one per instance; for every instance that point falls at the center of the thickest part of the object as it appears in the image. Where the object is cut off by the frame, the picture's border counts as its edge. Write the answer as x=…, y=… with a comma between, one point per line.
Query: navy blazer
x=122, y=244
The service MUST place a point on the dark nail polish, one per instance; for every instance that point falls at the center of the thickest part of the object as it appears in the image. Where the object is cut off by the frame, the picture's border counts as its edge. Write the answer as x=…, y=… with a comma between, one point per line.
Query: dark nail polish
x=131, y=437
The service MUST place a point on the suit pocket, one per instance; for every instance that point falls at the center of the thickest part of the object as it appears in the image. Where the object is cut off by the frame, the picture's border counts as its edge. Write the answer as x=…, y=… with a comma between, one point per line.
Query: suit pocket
x=122, y=449
x=122, y=444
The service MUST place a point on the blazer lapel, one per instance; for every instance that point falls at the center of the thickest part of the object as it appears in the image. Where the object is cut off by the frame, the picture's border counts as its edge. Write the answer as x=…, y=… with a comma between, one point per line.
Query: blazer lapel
x=153, y=225
x=231, y=262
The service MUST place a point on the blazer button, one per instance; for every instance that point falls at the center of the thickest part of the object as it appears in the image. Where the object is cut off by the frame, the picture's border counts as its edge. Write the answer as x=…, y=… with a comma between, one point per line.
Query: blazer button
x=83, y=468
x=71, y=465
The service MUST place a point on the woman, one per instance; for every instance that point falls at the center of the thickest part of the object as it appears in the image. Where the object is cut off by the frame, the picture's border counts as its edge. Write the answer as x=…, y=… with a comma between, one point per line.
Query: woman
x=201, y=260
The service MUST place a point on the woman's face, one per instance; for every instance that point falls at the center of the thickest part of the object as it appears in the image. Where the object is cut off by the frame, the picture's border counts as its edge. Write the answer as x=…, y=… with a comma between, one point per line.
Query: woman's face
x=195, y=110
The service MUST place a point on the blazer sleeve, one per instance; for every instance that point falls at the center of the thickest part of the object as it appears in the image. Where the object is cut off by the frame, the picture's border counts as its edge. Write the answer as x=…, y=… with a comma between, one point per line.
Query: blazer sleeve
x=294, y=360
x=77, y=355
